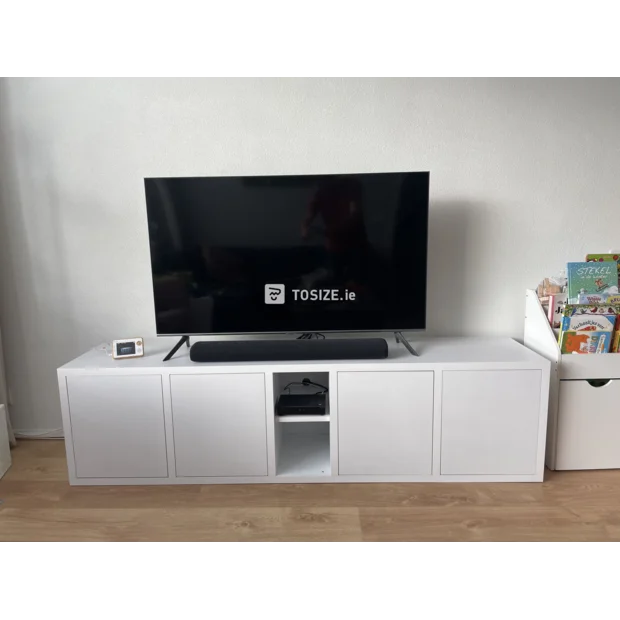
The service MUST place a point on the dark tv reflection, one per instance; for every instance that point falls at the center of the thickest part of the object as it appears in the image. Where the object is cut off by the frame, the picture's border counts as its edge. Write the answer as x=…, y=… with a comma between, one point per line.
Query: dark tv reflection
x=349, y=250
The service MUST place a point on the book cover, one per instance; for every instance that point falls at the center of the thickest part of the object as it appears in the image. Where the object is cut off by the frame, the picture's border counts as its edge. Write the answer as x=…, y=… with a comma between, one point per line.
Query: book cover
x=601, y=258
x=592, y=278
x=585, y=342
x=589, y=323
x=556, y=309
x=615, y=341
x=571, y=309
x=594, y=298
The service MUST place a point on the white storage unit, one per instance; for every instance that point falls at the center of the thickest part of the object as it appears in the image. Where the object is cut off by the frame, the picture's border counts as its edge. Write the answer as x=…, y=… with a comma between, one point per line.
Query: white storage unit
x=467, y=409
x=584, y=397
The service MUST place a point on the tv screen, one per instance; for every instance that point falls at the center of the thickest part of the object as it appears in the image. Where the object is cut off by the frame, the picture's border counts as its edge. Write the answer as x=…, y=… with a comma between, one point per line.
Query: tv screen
x=313, y=253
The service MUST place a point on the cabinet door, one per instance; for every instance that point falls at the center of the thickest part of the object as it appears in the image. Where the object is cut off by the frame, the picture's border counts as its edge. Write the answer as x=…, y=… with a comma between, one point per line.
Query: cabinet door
x=117, y=423
x=385, y=423
x=220, y=426
x=489, y=421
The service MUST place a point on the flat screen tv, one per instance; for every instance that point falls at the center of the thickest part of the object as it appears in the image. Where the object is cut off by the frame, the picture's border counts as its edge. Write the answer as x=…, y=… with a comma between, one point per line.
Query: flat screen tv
x=268, y=254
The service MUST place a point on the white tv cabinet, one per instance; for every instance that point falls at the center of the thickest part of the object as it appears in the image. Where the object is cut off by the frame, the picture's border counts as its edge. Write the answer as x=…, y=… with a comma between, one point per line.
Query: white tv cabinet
x=464, y=410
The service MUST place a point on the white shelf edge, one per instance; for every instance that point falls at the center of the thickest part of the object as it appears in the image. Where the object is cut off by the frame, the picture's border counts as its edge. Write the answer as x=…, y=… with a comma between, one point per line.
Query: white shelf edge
x=538, y=334
x=302, y=418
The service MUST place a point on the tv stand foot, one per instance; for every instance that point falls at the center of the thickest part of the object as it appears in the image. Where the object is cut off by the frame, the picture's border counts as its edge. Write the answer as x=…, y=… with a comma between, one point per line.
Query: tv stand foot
x=400, y=338
x=177, y=346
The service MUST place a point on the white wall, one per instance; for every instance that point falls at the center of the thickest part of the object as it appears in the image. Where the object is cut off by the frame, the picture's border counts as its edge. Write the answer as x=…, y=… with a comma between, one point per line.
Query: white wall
x=524, y=176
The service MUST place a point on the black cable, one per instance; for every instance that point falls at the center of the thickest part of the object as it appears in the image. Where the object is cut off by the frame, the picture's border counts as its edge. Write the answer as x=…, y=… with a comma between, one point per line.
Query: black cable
x=306, y=382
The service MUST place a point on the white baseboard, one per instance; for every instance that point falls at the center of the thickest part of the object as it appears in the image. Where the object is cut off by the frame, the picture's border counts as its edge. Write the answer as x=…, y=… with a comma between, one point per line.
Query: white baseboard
x=39, y=433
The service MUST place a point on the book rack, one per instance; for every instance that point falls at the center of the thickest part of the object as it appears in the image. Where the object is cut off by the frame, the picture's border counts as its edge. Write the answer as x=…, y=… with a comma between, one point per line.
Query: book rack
x=584, y=417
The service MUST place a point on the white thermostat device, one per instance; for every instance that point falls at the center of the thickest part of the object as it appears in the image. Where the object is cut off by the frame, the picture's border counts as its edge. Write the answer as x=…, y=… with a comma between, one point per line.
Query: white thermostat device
x=129, y=347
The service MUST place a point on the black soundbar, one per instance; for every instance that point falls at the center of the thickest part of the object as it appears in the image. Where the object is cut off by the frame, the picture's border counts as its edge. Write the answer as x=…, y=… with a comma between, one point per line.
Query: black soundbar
x=289, y=350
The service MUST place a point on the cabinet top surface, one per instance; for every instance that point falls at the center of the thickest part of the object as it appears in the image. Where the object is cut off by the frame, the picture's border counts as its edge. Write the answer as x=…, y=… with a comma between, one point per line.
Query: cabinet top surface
x=432, y=352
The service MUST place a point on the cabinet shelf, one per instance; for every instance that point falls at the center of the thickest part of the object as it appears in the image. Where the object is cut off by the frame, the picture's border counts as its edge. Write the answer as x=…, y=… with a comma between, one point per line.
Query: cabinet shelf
x=302, y=418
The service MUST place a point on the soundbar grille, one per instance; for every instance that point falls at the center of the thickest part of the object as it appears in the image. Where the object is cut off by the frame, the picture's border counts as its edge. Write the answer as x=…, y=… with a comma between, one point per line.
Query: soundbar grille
x=288, y=350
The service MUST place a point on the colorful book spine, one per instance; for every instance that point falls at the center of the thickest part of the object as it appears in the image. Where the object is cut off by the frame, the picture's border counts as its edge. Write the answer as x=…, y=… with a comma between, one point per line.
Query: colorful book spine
x=615, y=341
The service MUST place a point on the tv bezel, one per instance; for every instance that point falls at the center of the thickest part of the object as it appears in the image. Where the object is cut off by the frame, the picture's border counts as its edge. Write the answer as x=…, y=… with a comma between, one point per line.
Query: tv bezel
x=286, y=332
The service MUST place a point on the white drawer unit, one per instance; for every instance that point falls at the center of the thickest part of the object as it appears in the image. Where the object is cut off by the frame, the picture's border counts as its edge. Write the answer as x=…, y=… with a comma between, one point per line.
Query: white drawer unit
x=584, y=414
x=588, y=431
x=466, y=409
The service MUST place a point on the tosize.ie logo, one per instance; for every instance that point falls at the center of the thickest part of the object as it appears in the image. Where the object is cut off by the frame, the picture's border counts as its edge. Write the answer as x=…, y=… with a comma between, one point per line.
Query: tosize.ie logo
x=274, y=293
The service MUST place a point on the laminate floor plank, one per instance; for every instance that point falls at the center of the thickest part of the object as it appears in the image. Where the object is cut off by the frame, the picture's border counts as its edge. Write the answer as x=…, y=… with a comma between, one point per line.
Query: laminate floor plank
x=37, y=503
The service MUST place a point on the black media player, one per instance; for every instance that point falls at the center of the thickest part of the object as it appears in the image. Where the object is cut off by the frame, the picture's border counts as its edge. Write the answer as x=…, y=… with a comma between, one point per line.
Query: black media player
x=301, y=404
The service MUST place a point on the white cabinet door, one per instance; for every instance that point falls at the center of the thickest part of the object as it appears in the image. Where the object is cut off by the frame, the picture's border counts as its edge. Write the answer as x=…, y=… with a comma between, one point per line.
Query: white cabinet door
x=385, y=423
x=117, y=424
x=220, y=424
x=490, y=421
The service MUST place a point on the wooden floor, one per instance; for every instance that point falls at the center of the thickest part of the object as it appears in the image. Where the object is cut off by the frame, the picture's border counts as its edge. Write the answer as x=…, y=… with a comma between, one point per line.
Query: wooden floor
x=37, y=503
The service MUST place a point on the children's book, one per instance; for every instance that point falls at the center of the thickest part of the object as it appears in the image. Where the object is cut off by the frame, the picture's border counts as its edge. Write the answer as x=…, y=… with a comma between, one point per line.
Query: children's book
x=589, y=323
x=594, y=298
x=592, y=278
x=605, y=258
x=587, y=328
x=556, y=309
x=585, y=342
x=571, y=309
x=615, y=341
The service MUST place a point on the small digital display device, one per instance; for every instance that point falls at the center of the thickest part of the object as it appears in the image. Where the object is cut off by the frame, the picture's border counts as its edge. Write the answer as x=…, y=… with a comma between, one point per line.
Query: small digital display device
x=129, y=347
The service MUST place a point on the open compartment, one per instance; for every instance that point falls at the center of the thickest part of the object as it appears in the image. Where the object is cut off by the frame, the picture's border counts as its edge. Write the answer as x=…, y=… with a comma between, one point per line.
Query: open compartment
x=293, y=383
x=302, y=440
x=302, y=449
